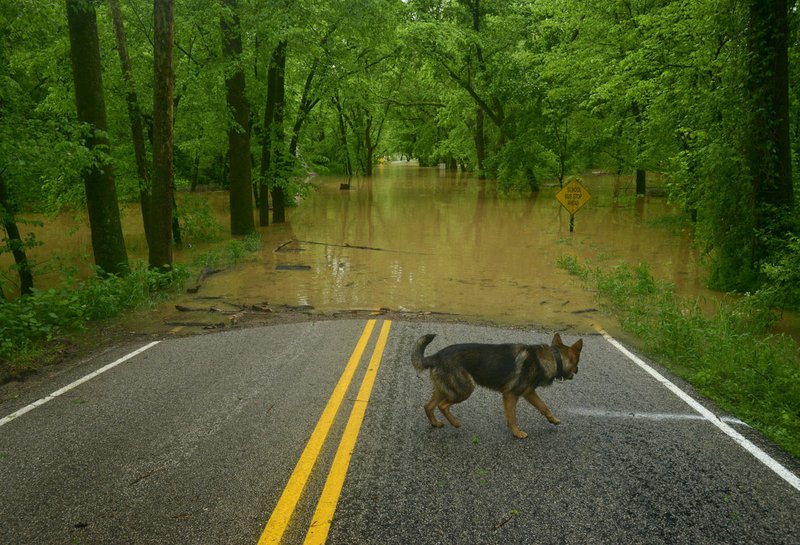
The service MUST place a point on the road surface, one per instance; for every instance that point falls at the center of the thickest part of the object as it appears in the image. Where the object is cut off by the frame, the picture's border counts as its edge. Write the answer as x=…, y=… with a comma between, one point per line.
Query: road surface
x=314, y=432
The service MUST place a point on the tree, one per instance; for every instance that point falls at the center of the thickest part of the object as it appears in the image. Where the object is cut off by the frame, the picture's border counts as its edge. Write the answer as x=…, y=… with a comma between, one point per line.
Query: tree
x=277, y=165
x=134, y=114
x=14, y=242
x=160, y=244
x=108, y=243
x=241, y=191
x=767, y=143
x=272, y=139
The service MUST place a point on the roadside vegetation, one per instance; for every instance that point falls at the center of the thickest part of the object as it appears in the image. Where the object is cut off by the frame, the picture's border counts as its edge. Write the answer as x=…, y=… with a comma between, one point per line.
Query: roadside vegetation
x=37, y=327
x=730, y=355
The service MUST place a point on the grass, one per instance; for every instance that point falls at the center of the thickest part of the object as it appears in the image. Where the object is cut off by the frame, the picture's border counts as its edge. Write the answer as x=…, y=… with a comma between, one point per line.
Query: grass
x=731, y=356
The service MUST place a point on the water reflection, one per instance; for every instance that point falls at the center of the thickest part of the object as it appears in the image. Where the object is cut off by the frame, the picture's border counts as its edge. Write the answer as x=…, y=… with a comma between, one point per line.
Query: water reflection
x=429, y=240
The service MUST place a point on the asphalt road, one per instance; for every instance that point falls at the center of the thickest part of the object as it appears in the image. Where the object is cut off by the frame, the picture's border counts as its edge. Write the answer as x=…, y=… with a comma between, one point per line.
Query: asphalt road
x=230, y=438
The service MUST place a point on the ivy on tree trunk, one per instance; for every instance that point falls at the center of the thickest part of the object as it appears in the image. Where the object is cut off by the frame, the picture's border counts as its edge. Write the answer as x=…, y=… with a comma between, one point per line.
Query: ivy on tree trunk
x=108, y=243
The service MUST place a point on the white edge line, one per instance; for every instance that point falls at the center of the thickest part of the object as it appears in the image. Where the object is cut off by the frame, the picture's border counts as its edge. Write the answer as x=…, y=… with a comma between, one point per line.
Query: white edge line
x=68, y=387
x=743, y=442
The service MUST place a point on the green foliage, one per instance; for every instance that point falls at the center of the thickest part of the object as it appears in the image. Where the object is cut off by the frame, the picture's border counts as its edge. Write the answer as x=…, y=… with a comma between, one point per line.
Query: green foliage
x=238, y=249
x=197, y=220
x=45, y=315
x=729, y=355
x=782, y=286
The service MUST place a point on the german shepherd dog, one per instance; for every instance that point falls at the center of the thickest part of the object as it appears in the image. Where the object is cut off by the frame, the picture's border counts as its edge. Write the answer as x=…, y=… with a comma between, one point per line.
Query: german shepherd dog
x=514, y=370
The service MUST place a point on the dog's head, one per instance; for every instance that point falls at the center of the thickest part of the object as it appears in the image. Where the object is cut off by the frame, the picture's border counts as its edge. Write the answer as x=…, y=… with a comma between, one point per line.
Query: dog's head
x=569, y=356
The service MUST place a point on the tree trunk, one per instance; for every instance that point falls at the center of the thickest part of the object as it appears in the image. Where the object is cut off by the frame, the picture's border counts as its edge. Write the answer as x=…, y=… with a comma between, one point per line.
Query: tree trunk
x=480, y=142
x=348, y=165
x=15, y=242
x=108, y=243
x=641, y=182
x=240, y=181
x=135, y=116
x=768, y=148
x=641, y=177
x=279, y=167
x=160, y=254
x=266, y=142
x=306, y=105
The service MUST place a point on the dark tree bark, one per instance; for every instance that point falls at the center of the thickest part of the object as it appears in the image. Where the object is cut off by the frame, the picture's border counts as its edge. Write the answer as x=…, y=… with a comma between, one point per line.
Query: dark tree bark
x=266, y=143
x=15, y=242
x=641, y=175
x=241, y=190
x=768, y=146
x=108, y=243
x=348, y=165
x=278, y=166
x=135, y=116
x=160, y=253
x=307, y=104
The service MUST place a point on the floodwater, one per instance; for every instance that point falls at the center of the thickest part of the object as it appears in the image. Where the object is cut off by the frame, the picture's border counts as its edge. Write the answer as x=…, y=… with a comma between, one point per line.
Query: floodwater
x=428, y=240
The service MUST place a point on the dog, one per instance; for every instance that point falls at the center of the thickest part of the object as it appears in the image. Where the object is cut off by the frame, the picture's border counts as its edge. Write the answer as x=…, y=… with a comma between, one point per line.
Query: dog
x=514, y=370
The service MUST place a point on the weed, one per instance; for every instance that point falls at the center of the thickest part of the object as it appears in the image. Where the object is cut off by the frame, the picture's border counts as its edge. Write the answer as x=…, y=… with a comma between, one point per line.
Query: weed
x=28, y=323
x=482, y=475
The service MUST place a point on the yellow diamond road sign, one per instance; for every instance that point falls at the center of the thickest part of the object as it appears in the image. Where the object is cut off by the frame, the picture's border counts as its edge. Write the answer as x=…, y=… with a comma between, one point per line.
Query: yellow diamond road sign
x=572, y=196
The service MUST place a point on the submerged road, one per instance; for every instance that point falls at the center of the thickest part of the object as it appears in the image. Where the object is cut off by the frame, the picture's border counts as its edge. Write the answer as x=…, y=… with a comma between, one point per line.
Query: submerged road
x=314, y=432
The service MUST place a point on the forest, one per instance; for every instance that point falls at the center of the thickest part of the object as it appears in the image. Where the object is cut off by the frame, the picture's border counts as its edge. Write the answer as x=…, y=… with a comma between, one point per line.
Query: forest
x=104, y=102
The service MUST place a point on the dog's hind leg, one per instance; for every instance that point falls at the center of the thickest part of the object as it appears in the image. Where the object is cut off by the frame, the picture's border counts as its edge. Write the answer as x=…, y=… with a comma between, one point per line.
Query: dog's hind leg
x=444, y=406
x=510, y=407
x=541, y=406
x=429, y=408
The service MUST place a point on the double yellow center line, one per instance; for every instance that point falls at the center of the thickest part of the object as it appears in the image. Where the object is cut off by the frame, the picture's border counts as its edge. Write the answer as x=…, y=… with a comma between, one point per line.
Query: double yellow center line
x=321, y=521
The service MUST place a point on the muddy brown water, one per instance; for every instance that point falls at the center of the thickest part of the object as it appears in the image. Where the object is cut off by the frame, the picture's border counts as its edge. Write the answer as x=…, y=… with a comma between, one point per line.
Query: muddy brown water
x=426, y=241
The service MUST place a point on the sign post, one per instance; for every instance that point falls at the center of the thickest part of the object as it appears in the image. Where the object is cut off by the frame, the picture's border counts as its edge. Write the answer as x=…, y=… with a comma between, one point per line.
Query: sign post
x=572, y=196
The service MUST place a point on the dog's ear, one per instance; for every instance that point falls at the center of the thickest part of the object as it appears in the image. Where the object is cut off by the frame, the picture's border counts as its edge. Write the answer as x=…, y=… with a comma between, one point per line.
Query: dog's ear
x=576, y=348
x=557, y=340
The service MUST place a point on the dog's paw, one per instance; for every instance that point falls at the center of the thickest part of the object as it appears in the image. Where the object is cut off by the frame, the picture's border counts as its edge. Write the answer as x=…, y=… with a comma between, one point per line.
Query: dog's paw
x=520, y=434
x=553, y=420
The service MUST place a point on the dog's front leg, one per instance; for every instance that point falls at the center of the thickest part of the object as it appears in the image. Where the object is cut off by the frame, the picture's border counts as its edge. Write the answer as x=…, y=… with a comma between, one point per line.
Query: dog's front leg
x=541, y=406
x=510, y=407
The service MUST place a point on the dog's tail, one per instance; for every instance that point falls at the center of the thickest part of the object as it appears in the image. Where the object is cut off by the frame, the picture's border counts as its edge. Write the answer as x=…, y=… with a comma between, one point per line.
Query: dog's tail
x=418, y=355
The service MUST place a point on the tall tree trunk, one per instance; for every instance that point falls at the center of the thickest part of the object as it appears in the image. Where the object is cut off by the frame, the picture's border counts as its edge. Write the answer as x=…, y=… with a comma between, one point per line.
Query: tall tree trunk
x=306, y=105
x=348, y=165
x=641, y=176
x=108, y=243
x=474, y=7
x=135, y=116
x=266, y=142
x=279, y=160
x=368, y=143
x=241, y=191
x=768, y=147
x=160, y=254
x=15, y=243
x=480, y=142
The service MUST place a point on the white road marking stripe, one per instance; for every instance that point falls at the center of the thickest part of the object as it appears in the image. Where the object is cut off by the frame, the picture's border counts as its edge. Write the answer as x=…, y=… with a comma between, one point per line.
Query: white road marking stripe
x=68, y=387
x=759, y=454
x=603, y=413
